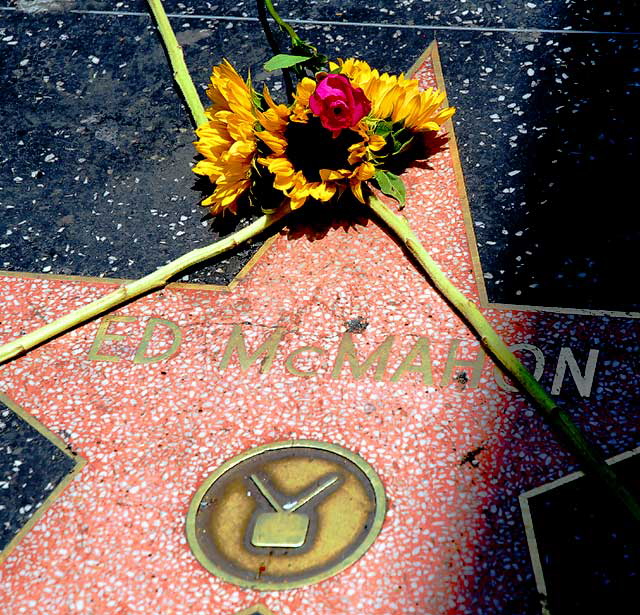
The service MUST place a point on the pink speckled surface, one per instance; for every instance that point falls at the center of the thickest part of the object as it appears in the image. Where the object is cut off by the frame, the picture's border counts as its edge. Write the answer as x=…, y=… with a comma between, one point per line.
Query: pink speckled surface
x=453, y=541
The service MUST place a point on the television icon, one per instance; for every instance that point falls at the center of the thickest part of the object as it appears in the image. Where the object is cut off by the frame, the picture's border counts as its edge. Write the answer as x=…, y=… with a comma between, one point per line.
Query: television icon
x=285, y=527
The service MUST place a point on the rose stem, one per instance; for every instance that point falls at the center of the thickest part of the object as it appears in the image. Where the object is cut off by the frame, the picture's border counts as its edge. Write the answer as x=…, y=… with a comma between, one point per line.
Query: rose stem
x=281, y=22
x=558, y=418
x=262, y=18
x=136, y=288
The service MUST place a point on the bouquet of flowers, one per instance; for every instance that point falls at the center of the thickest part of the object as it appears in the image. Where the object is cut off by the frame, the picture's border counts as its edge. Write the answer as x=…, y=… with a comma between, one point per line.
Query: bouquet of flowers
x=365, y=127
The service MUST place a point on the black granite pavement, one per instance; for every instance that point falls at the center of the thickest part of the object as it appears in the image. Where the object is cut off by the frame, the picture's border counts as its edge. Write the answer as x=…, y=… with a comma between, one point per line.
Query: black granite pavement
x=587, y=549
x=31, y=467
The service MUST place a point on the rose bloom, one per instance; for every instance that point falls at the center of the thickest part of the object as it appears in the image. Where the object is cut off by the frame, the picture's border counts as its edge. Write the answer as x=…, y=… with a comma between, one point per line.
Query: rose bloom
x=338, y=104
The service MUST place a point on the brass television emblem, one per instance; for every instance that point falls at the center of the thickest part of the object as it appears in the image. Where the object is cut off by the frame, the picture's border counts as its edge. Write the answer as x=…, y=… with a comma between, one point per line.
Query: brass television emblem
x=285, y=527
x=286, y=514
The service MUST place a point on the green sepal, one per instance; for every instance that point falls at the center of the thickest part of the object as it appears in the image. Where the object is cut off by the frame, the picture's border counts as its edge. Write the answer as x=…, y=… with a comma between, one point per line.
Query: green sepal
x=256, y=97
x=316, y=61
x=391, y=185
x=401, y=146
x=383, y=128
x=401, y=139
x=284, y=60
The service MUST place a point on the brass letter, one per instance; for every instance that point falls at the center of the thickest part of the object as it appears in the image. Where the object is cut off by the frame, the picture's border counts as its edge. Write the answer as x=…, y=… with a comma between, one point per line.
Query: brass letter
x=148, y=334
x=298, y=372
x=420, y=349
x=475, y=364
x=583, y=382
x=236, y=342
x=102, y=336
x=537, y=373
x=379, y=356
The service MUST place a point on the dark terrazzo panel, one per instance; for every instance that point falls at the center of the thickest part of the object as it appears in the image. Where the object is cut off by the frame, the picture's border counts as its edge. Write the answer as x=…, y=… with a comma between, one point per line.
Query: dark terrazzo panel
x=506, y=584
x=588, y=549
x=548, y=132
x=601, y=15
x=31, y=467
x=96, y=154
x=97, y=151
x=608, y=15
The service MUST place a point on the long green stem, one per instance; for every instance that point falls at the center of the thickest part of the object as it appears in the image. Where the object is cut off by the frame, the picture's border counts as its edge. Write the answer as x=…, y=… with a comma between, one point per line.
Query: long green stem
x=282, y=23
x=124, y=293
x=262, y=18
x=558, y=418
x=176, y=58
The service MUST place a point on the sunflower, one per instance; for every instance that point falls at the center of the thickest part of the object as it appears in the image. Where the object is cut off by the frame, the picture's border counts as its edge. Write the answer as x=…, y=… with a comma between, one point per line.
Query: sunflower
x=396, y=98
x=319, y=172
x=227, y=141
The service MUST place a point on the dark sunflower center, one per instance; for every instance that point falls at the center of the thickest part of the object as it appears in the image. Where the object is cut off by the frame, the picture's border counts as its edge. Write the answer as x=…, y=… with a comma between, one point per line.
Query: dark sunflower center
x=310, y=147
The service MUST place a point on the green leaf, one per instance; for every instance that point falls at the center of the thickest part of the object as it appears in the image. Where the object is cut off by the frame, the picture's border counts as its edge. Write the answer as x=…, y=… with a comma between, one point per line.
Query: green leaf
x=316, y=61
x=391, y=185
x=284, y=60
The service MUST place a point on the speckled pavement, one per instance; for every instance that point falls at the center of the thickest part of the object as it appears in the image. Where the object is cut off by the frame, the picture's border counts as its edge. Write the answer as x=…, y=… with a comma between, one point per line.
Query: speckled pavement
x=328, y=333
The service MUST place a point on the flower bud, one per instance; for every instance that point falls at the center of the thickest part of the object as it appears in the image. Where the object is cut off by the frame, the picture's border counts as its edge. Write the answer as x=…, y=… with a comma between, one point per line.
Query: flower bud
x=338, y=104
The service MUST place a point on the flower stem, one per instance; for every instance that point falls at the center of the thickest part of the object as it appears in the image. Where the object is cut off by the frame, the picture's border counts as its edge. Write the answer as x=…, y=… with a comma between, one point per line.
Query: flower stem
x=262, y=18
x=295, y=39
x=591, y=460
x=136, y=288
x=176, y=59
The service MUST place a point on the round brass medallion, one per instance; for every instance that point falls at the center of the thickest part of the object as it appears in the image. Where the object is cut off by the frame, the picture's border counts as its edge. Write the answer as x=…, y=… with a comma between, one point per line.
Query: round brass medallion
x=286, y=514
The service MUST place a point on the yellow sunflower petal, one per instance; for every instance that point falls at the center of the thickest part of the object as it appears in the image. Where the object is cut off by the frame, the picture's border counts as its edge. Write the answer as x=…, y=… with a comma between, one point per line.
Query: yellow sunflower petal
x=205, y=167
x=275, y=143
x=356, y=188
x=227, y=141
x=322, y=192
x=376, y=143
x=365, y=171
x=334, y=174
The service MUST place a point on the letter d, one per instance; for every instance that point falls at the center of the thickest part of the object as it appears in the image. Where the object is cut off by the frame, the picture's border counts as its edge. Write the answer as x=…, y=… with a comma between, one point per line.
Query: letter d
x=148, y=334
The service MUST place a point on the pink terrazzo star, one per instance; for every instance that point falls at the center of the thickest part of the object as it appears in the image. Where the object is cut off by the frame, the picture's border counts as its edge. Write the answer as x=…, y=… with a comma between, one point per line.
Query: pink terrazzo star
x=453, y=447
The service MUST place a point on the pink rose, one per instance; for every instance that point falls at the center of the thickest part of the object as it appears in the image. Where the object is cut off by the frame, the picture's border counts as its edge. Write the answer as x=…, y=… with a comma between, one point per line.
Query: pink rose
x=338, y=104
